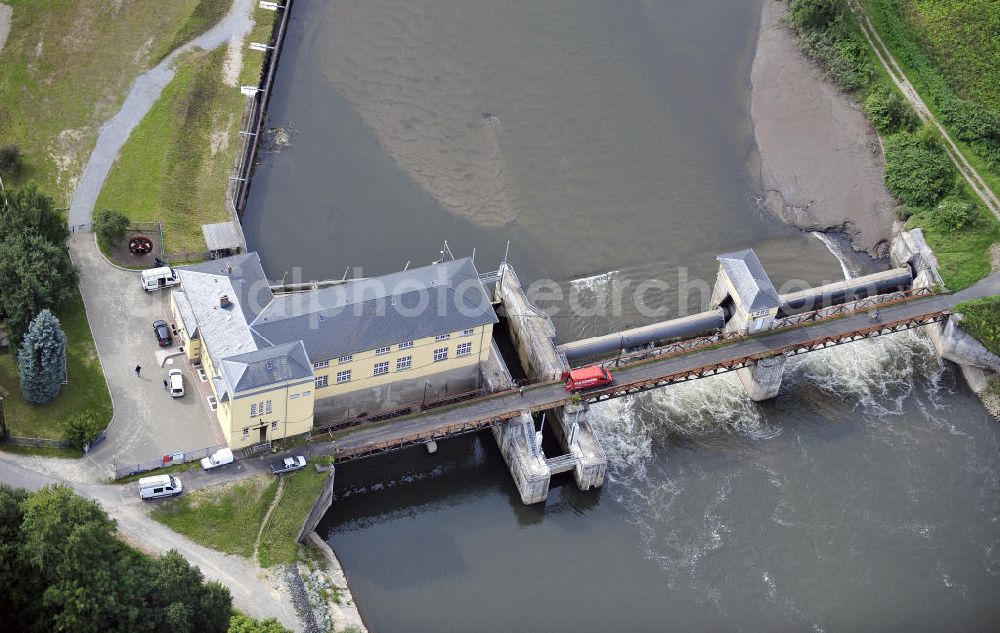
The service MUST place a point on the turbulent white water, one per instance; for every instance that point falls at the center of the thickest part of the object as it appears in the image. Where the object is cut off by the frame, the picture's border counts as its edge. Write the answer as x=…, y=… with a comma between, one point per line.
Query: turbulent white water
x=873, y=378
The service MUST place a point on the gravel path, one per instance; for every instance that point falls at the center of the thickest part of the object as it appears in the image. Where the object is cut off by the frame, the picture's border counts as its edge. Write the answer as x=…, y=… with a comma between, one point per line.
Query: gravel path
x=236, y=24
x=898, y=77
x=5, y=13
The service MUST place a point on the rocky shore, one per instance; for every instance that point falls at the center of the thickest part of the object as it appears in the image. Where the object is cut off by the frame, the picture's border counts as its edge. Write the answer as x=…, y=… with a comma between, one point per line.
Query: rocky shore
x=820, y=160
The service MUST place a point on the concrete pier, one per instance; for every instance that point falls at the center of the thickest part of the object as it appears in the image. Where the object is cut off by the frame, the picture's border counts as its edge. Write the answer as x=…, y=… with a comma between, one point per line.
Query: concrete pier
x=763, y=380
x=526, y=461
x=533, y=335
x=581, y=443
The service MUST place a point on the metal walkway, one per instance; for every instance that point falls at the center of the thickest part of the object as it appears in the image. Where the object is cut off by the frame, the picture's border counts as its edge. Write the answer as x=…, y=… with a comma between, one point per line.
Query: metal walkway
x=656, y=369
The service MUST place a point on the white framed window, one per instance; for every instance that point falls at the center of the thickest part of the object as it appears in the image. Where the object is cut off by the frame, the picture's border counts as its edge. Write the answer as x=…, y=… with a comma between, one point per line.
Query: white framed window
x=253, y=410
x=440, y=354
x=343, y=376
x=442, y=337
x=406, y=345
x=404, y=362
x=267, y=407
x=274, y=425
x=345, y=359
x=463, y=349
x=469, y=332
x=306, y=393
x=321, y=364
x=260, y=407
x=383, y=350
x=322, y=381
x=246, y=432
x=381, y=368
x=294, y=396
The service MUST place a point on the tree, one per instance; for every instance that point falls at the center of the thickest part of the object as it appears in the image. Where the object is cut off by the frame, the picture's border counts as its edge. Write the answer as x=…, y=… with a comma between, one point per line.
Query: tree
x=42, y=359
x=11, y=163
x=82, y=429
x=888, y=111
x=917, y=172
x=244, y=624
x=30, y=210
x=811, y=15
x=63, y=568
x=34, y=274
x=110, y=226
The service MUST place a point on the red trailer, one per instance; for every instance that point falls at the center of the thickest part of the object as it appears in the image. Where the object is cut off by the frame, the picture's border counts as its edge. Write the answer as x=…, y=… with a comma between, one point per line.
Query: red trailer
x=587, y=377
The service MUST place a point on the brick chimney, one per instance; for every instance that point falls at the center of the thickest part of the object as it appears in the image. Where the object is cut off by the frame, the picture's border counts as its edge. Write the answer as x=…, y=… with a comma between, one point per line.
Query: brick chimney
x=224, y=301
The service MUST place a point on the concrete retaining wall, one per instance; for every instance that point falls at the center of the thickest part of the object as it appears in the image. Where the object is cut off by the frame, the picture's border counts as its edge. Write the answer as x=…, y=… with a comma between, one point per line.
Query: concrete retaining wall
x=319, y=509
x=592, y=461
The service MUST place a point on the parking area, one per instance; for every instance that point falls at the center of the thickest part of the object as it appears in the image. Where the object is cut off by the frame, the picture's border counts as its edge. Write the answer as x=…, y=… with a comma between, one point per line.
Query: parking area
x=148, y=423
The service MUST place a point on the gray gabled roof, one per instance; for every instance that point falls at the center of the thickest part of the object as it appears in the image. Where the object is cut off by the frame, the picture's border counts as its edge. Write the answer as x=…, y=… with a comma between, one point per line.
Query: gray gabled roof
x=754, y=287
x=266, y=367
x=245, y=276
x=187, y=313
x=366, y=314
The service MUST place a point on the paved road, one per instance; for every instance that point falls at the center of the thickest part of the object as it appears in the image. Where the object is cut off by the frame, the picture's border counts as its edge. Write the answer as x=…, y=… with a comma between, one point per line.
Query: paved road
x=257, y=592
x=142, y=95
x=147, y=422
x=553, y=394
x=898, y=77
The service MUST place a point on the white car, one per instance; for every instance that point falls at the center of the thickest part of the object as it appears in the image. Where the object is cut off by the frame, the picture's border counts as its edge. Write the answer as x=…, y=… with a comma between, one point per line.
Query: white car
x=175, y=378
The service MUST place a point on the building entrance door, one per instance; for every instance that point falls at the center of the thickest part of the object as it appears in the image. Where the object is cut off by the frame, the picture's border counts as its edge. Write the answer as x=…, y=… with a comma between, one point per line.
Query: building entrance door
x=263, y=434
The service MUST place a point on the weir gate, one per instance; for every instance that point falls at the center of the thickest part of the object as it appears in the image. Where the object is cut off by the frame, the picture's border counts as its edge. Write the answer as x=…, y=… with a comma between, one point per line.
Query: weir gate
x=750, y=330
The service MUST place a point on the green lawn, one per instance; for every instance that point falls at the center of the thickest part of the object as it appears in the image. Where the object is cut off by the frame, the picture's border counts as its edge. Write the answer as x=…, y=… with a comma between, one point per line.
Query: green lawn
x=226, y=518
x=86, y=391
x=981, y=319
x=963, y=255
x=66, y=68
x=175, y=166
x=302, y=489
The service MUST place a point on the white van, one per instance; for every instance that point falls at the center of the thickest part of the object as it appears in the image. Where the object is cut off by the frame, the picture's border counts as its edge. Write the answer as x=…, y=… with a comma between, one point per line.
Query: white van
x=221, y=457
x=159, y=486
x=157, y=278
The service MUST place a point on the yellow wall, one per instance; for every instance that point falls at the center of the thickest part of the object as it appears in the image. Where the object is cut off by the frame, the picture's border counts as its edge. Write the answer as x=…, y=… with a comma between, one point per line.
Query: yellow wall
x=362, y=365
x=291, y=409
x=192, y=348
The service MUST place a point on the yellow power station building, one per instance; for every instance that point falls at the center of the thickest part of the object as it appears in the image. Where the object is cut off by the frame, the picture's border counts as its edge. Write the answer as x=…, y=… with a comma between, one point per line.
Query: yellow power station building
x=278, y=362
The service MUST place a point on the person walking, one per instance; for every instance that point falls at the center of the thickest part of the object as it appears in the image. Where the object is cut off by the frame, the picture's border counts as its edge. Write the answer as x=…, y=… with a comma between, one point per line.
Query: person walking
x=138, y=371
x=164, y=383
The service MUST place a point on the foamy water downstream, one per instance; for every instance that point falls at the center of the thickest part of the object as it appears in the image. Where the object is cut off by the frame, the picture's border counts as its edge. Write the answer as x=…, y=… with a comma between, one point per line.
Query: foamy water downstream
x=610, y=142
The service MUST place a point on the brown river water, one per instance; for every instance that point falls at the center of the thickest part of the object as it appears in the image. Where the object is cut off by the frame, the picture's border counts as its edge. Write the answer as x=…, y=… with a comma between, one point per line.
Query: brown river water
x=611, y=142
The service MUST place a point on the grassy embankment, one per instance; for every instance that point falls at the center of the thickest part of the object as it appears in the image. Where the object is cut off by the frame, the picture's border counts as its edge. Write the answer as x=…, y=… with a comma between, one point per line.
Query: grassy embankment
x=981, y=319
x=918, y=173
x=86, y=391
x=175, y=167
x=228, y=518
x=65, y=69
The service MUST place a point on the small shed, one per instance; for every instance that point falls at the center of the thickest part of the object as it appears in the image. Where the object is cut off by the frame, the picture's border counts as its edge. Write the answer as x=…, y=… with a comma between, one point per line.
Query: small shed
x=745, y=292
x=222, y=239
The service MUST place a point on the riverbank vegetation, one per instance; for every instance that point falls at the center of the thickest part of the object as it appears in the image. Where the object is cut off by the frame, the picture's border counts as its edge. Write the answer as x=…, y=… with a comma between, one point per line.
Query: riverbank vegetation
x=176, y=165
x=65, y=69
x=918, y=171
x=981, y=319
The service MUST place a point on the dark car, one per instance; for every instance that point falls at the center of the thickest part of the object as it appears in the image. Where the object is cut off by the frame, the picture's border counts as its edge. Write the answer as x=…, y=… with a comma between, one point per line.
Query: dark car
x=162, y=331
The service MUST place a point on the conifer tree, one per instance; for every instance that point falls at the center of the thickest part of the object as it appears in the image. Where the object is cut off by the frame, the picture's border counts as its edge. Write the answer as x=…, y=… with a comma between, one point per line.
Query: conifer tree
x=42, y=359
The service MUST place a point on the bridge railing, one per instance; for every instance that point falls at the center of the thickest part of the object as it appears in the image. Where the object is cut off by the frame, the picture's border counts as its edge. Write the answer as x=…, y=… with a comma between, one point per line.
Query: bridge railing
x=853, y=307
